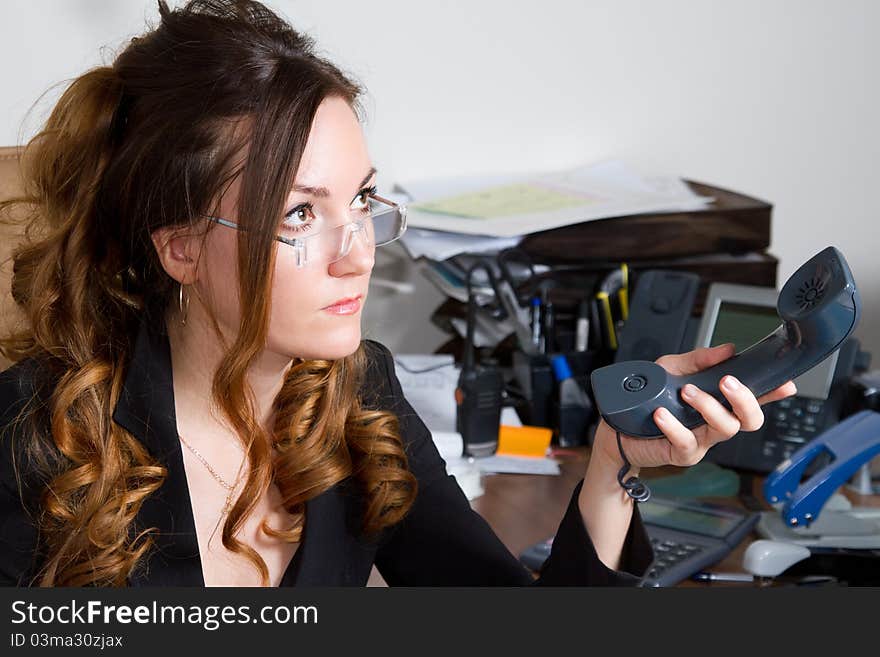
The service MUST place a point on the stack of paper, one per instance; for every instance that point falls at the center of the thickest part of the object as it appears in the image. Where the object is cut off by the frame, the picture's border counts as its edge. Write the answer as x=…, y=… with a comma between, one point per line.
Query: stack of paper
x=490, y=213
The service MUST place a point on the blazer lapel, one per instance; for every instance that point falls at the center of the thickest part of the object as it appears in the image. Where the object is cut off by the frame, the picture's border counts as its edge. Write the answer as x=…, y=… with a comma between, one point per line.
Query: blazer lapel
x=146, y=410
x=331, y=552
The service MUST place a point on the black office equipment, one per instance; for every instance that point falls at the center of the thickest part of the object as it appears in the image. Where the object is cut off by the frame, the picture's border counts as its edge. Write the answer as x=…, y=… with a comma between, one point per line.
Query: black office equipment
x=534, y=376
x=535, y=379
x=687, y=536
x=723, y=242
x=659, y=314
x=478, y=396
x=863, y=391
x=819, y=306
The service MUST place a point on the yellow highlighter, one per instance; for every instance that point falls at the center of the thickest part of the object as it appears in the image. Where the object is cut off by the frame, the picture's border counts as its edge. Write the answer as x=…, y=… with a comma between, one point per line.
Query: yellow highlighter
x=623, y=292
x=607, y=319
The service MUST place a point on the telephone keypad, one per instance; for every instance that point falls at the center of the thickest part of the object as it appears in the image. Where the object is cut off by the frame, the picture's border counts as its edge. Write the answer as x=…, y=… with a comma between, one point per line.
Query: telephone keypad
x=793, y=422
x=669, y=553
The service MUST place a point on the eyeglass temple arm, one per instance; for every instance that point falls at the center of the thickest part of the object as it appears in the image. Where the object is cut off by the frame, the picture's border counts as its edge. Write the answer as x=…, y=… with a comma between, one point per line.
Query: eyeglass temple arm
x=385, y=200
x=400, y=208
x=225, y=222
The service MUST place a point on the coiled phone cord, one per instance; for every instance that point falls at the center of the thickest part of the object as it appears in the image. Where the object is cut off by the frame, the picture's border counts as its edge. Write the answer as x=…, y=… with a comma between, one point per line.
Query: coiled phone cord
x=633, y=486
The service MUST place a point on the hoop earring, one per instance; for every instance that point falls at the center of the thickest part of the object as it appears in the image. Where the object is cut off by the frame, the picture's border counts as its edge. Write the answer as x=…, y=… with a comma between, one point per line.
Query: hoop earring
x=184, y=306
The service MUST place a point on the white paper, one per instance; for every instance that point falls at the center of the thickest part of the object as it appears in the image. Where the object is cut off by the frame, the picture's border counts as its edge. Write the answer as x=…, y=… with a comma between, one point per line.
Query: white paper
x=450, y=444
x=509, y=417
x=615, y=190
x=518, y=465
x=440, y=245
x=467, y=474
x=431, y=393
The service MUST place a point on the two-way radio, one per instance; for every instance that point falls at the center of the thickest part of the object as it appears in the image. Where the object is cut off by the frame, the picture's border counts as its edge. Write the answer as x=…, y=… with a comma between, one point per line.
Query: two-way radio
x=478, y=396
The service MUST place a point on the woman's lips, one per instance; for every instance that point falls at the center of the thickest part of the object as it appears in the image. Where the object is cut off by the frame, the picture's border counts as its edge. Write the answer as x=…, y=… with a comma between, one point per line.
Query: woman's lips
x=345, y=307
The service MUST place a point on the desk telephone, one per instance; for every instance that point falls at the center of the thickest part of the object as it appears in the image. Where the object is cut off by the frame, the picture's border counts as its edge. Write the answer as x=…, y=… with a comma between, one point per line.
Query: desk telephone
x=686, y=536
x=819, y=307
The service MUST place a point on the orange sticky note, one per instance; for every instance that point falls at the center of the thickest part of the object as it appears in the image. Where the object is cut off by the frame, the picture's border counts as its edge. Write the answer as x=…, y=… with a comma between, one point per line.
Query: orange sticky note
x=524, y=441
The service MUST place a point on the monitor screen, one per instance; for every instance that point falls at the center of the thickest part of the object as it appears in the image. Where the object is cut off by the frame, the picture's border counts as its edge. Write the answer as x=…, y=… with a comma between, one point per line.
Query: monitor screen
x=743, y=324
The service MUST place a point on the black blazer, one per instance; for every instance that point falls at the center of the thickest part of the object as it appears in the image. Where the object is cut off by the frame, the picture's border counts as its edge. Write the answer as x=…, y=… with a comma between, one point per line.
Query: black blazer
x=442, y=541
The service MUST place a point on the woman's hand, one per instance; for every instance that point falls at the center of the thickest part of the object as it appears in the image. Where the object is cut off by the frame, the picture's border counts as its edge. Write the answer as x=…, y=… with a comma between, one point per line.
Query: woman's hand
x=605, y=507
x=682, y=446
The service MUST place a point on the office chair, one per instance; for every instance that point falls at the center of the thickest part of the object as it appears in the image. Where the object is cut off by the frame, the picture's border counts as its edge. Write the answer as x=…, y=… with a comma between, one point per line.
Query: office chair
x=10, y=236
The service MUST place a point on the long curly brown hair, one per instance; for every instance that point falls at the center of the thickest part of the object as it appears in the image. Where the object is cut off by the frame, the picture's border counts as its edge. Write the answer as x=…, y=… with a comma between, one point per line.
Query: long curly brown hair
x=147, y=142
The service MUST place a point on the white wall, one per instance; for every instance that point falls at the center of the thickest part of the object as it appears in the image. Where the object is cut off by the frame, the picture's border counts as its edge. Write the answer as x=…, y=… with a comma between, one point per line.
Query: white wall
x=774, y=98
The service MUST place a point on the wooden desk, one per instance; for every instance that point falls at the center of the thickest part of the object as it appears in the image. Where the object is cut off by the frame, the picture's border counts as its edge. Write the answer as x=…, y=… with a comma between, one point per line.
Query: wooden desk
x=525, y=509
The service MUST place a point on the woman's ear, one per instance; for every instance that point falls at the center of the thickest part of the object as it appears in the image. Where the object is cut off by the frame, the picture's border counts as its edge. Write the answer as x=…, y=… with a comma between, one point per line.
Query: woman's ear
x=178, y=248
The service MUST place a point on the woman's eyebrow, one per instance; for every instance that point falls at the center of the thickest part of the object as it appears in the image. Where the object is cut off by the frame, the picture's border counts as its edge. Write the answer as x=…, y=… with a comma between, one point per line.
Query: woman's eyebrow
x=323, y=192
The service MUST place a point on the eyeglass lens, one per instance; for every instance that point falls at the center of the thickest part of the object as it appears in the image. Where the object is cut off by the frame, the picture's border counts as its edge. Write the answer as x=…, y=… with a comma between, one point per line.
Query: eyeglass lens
x=381, y=226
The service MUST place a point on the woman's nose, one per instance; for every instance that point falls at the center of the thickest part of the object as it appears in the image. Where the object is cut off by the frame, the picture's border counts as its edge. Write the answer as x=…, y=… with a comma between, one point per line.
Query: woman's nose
x=360, y=258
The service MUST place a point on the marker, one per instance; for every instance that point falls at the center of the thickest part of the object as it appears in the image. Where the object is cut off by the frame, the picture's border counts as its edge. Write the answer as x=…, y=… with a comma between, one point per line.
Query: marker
x=535, y=320
x=582, y=328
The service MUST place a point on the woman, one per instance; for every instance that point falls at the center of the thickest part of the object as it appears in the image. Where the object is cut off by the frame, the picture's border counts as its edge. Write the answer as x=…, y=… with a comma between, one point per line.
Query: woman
x=191, y=401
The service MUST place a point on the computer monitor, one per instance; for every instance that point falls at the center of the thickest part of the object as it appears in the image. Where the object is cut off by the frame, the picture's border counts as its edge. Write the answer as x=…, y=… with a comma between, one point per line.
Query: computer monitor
x=743, y=315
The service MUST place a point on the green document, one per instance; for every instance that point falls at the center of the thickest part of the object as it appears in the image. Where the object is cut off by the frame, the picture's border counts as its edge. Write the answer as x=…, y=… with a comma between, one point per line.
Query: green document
x=504, y=201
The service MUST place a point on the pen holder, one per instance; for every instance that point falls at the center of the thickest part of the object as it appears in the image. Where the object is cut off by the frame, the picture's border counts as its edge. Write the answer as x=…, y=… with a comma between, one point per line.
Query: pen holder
x=573, y=407
x=572, y=424
x=534, y=376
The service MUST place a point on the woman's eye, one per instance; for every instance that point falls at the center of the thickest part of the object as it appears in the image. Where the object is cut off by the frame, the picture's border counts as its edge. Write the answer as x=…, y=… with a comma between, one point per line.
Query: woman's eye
x=299, y=218
x=362, y=200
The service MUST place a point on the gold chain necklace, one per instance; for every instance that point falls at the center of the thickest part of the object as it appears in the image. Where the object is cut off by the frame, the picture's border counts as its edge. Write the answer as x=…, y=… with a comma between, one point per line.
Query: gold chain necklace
x=229, y=487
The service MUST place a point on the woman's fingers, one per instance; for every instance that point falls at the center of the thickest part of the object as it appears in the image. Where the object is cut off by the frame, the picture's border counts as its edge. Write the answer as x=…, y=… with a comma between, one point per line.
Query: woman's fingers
x=696, y=360
x=743, y=404
x=714, y=413
x=745, y=415
x=684, y=448
x=783, y=391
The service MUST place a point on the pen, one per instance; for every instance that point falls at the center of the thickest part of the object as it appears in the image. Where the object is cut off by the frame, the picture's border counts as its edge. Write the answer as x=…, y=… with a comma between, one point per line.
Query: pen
x=548, y=328
x=535, y=320
x=582, y=328
x=722, y=577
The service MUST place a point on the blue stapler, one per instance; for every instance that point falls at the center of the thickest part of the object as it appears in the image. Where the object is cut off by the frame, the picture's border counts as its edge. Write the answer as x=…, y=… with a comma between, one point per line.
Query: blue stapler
x=851, y=444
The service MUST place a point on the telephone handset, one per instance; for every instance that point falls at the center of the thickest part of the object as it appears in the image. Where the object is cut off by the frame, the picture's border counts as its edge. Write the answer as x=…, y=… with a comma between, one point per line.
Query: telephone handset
x=819, y=306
